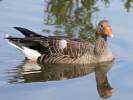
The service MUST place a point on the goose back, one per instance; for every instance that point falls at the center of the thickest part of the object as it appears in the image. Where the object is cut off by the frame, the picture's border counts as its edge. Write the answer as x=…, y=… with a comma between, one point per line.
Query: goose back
x=66, y=50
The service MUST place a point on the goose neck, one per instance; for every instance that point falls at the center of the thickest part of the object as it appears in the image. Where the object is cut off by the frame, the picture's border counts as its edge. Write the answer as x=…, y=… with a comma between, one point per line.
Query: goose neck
x=100, y=44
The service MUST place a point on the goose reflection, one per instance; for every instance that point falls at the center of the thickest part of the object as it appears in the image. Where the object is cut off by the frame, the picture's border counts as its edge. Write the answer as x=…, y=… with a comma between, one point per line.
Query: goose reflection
x=35, y=72
x=103, y=86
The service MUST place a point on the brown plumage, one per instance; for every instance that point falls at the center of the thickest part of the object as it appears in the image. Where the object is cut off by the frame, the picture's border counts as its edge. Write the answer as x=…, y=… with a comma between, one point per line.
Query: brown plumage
x=60, y=49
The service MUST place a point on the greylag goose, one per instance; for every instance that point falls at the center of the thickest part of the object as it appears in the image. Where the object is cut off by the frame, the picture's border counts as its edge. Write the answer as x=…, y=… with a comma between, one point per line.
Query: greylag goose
x=61, y=49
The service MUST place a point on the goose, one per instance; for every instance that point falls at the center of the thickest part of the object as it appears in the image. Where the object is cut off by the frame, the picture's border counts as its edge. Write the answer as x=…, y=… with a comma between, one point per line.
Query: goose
x=62, y=49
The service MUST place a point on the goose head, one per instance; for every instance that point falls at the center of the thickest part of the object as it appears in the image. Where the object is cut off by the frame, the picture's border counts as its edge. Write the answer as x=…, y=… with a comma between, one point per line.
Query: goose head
x=104, y=29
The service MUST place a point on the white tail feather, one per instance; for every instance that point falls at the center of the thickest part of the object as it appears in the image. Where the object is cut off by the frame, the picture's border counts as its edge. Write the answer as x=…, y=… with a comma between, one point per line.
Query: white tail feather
x=15, y=45
x=29, y=53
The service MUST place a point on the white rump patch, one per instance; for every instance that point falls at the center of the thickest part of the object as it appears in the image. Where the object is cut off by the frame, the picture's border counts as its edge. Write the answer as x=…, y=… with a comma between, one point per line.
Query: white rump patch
x=30, y=53
x=63, y=44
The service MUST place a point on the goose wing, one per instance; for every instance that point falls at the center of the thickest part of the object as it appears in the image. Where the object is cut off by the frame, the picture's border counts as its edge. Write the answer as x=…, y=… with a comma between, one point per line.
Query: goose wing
x=59, y=45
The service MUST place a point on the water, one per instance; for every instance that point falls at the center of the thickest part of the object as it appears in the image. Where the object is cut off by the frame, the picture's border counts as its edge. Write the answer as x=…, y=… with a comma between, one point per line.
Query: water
x=23, y=80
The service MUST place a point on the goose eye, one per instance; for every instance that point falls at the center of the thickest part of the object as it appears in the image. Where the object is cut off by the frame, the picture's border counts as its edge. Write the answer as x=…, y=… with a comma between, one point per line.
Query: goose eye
x=101, y=25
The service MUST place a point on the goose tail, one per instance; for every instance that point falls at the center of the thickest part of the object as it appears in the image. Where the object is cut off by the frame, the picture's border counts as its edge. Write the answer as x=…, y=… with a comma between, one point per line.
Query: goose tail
x=29, y=53
x=27, y=32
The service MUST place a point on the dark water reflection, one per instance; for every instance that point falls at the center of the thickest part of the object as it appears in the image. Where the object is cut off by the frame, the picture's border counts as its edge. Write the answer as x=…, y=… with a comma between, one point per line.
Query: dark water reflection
x=34, y=72
x=71, y=19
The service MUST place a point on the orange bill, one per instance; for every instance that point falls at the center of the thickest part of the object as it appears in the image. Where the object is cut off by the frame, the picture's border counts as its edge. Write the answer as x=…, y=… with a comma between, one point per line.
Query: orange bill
x=109, y=32
x=109, y=92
